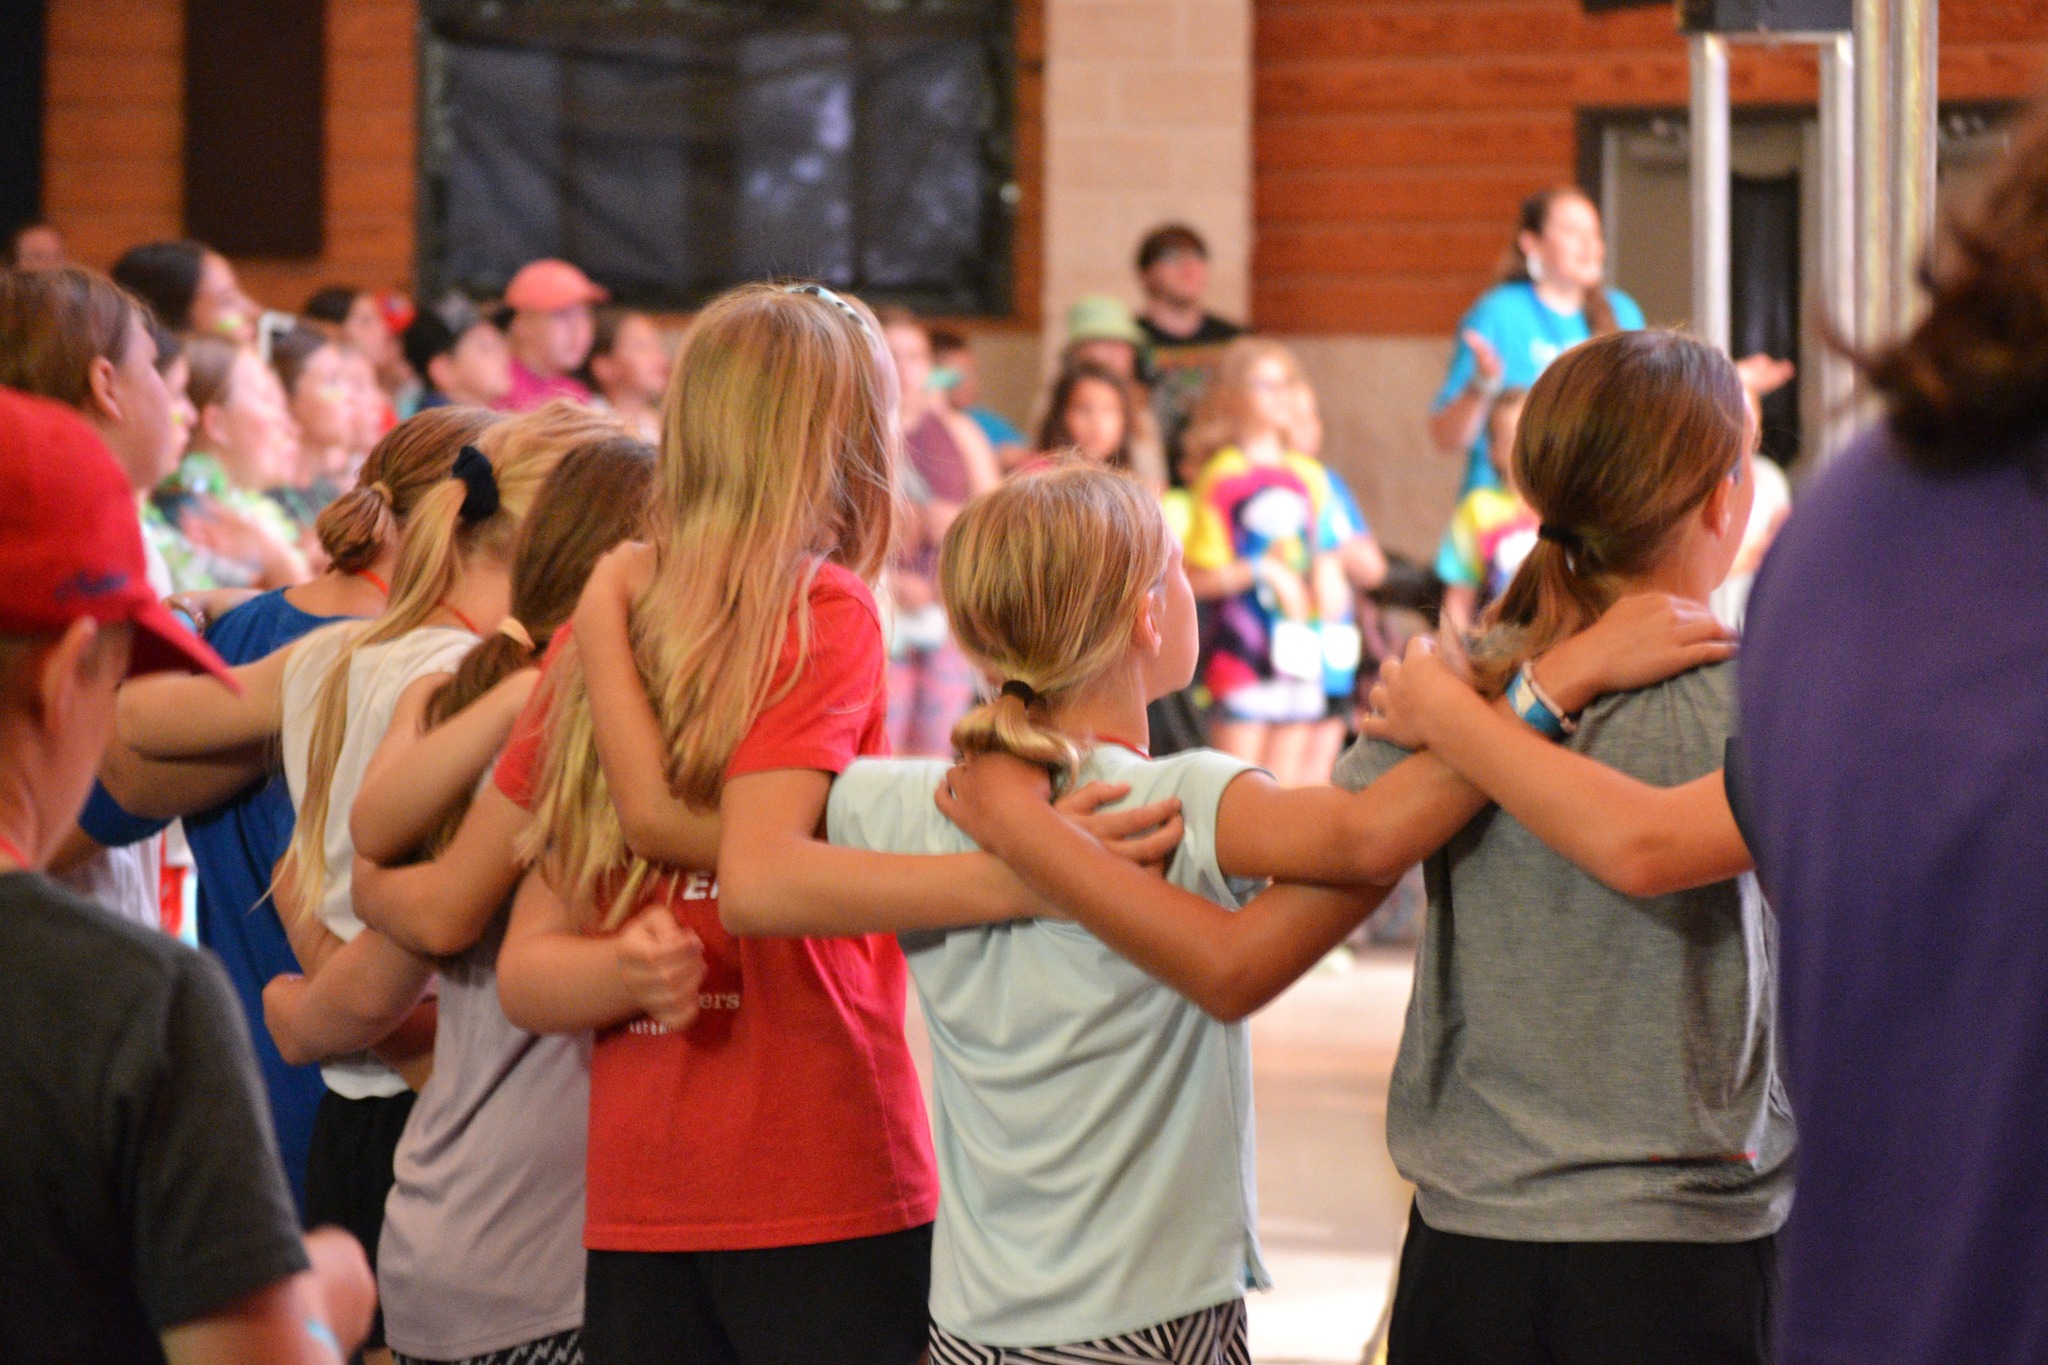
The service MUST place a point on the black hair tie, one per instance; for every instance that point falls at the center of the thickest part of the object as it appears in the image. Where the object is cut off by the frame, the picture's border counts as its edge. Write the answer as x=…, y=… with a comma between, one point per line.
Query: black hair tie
x=1571, y=540
x=1022, y=691
x=480, y=484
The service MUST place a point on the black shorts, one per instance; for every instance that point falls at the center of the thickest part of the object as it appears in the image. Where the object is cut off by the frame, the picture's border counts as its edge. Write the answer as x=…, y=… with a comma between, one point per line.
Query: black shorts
x=859, y=1302
x=348, y=1170
x=1478, y=1301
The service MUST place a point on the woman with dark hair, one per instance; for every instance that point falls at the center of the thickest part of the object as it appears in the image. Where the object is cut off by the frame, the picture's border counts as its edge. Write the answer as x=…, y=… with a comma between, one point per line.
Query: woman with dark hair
x=191, y=288
x=1896, y=804
x=1551, y=297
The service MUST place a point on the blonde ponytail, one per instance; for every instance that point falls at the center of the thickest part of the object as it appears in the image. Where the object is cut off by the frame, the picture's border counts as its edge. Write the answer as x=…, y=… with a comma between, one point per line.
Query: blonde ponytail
x=779, y=446
x=433, y=553
x=1043, y=579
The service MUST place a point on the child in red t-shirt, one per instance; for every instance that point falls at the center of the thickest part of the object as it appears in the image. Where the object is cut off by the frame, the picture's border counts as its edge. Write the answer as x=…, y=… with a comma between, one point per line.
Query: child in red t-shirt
x=761, y=1183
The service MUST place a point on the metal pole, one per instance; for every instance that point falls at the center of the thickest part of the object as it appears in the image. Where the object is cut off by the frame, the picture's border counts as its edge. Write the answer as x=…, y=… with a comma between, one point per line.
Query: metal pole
x=1912, y=81
x=1834, y=378
x=1711, y=310
x=1874, y=173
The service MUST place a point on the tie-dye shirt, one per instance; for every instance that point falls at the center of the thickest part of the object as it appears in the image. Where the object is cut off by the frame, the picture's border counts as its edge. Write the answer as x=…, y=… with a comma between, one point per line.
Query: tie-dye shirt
x=1241, y=510
x=1490, y=535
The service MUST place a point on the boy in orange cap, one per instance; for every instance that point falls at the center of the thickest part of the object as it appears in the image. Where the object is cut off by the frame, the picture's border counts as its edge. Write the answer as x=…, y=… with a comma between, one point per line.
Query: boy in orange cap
x=551, y=333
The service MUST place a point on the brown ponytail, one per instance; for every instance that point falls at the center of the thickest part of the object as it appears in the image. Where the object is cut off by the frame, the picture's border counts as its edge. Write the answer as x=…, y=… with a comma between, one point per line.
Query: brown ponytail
x=413, y=458
x=432, y=552
x=1621, y=439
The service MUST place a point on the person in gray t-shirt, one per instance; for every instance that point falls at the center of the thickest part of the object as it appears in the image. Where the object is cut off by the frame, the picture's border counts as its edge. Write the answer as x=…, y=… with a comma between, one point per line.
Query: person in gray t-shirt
x=1580, y=1065
x=1587, y=1093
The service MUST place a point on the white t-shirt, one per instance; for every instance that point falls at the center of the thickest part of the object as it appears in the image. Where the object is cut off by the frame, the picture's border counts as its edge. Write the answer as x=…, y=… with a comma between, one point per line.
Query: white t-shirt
x=1093, y=1127
x=126, y=880
x=378, y=674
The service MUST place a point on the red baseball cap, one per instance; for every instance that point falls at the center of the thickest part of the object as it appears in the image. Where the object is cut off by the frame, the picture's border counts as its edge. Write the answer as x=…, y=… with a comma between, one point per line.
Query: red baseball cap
x=71, y=544
x=548, y=285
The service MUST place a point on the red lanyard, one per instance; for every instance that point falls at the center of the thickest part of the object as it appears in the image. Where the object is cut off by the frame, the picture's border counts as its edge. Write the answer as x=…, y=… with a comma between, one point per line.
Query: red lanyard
x=371, y=577
x=13, y=850
x=457, y=613
x=1124, y=744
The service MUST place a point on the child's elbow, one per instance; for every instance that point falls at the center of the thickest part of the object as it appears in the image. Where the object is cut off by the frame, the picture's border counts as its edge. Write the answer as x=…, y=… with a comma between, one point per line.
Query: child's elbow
x=643, y=836
x=514, y=996
x=744, y=912
x=1638, y=867
x=1227, y=1006
x=442, y=936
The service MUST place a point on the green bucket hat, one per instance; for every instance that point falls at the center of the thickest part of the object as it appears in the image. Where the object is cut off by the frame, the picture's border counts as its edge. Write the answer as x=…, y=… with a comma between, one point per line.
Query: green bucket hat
x=1102, y=317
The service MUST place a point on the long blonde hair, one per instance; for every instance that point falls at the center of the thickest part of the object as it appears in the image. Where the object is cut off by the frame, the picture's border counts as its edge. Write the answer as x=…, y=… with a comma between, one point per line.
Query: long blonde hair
x=779, y=445
x=1621, y=438
x=1043, y=579
x=433, y=555
x=1220, y=417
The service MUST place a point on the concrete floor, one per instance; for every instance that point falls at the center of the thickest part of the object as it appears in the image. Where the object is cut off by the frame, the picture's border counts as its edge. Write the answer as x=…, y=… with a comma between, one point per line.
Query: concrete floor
x=1331, y=1207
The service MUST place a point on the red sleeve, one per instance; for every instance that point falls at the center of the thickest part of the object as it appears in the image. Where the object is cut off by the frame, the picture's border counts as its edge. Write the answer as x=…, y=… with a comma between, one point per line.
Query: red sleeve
x=822, y=723
x=518, y=766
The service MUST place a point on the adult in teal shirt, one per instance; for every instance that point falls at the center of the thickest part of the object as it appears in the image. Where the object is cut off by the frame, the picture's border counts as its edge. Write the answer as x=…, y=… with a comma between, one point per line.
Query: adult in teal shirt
x=1551, y=299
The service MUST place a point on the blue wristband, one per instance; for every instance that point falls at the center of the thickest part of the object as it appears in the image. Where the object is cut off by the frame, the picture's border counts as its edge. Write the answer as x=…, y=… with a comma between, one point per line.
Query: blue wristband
x=1531, y=707
x=324, y=1335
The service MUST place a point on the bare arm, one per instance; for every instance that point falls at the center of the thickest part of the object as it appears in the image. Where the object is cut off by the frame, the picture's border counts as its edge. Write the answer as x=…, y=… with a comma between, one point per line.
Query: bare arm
x=657, y=824
x=1319, y=834
x=1227, y=963
x=164, y=788
x=418, y=774
x=975, y=452
x=440, y=907
x=552, y=978
x=1639, y=839
x=1328, y=836
x=1457, y=424
x=776, y=876
x=290, y=1322
x=167, y=715
x=360, y=995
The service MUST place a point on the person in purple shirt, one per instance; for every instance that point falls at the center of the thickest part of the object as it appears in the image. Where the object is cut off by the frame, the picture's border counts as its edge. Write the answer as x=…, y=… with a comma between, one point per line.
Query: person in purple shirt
x=1894, y=787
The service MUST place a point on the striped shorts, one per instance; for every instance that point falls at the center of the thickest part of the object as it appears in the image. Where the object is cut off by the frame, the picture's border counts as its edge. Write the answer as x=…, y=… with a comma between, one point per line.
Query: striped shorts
x=563, y=1348
x=1212, y=1336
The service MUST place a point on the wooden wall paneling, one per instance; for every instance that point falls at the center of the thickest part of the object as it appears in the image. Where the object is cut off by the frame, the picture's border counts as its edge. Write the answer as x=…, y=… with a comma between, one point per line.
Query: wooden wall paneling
x=1395, y=138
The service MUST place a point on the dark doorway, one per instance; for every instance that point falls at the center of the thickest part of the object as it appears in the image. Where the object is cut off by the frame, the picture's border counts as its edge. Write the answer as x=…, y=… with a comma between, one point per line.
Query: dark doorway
x=1764, y=282
x=21, y=112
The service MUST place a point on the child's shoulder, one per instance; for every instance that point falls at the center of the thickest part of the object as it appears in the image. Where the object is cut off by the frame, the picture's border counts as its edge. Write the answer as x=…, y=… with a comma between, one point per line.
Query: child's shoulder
x=835, y=585
x=1196, y=776
x=886, y=804
x=1701, y=699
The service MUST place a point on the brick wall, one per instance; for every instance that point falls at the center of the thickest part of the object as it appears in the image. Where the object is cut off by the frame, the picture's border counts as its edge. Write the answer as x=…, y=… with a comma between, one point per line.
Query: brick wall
x=1395, y=138
x=114, y=135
